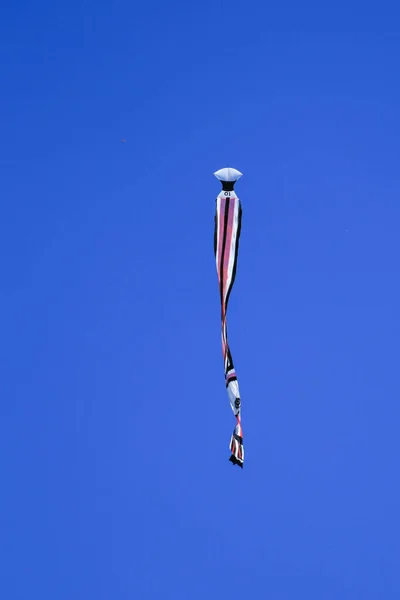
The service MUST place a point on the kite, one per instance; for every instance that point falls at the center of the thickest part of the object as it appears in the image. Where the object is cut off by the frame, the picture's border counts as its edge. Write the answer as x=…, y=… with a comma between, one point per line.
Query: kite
x=228, y=220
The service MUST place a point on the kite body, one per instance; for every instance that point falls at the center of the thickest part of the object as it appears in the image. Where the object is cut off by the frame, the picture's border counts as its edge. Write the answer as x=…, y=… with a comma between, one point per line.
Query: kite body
x=228, y=218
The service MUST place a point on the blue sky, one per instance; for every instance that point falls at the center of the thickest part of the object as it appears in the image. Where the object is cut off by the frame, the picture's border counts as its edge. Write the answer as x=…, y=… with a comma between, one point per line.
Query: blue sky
x=115, y=422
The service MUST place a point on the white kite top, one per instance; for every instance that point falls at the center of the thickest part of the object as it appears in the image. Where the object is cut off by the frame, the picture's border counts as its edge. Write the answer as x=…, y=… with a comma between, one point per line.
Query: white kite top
x=228, y=174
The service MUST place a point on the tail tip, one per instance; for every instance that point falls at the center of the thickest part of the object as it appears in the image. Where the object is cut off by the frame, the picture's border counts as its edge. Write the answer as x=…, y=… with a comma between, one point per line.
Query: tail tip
x=236, y=461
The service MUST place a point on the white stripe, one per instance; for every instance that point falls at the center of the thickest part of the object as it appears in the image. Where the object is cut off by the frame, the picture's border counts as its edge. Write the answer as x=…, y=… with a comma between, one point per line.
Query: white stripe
x=233, y=247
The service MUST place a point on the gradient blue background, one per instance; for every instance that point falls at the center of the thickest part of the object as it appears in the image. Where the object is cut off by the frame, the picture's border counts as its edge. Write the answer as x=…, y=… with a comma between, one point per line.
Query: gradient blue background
x=115, y=424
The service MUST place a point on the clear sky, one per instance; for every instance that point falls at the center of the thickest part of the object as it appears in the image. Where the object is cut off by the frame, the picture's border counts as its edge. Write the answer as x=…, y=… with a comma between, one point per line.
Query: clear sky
x=115, y=423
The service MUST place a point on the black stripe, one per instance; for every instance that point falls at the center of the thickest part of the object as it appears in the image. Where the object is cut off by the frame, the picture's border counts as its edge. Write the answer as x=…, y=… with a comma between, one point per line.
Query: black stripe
x=239, y=228
x=230, y=364
x=221, y=289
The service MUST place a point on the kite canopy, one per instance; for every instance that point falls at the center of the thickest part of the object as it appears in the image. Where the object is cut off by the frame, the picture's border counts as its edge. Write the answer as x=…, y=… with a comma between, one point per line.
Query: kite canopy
x=228, y=174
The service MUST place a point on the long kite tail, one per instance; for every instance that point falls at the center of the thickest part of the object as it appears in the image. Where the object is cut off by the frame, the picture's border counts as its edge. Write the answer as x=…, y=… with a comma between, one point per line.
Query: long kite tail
x=228, y=219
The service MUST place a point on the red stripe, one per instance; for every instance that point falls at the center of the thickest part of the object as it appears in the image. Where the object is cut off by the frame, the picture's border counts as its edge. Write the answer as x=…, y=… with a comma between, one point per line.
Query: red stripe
x=221, y=213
